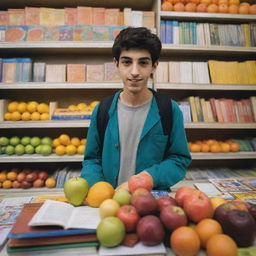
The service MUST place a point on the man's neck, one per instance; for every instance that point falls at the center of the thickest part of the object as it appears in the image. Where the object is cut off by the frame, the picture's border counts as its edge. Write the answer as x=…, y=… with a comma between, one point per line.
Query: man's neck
x=135, y=99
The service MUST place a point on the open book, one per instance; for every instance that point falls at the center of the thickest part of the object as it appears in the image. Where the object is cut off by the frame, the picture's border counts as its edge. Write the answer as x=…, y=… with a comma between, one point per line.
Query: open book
x=65, y=215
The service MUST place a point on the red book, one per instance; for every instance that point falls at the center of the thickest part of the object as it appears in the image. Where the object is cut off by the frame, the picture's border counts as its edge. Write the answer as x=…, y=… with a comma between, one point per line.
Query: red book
x=70, y=16
x=98, y=16
x=111, y=16
x=214, y=112
x=4, y=20
x=84, y=15
x=16, y=16
x=32, y=16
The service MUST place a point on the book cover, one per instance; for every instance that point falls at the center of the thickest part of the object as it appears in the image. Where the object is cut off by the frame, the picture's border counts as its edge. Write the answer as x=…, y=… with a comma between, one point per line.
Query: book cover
x=46, y=16
x=98, y=16
x=127, y=16
x=58, y=17
x=4, y=19
x=15, y=33
x=110, y=72
x=35, y=33
x=55, y=73
x=65, y=33
x=163, y=31
x=114, y=31
x=84, y=15
x=229, y=185
x=51, y=33
x=192, y=103
x=100, y=33
x=148, y=19
x=70, y=16
x=111, y=16
x=249, y=196
x=39, y=72
x=95, y=73
x=136, y=18
x=82, y=33
x=16, y=17
x=161, y=74
x=186, y=72
x=32, y=16
x=76, y=73
x=251, y=183
x=21, y=229
x=9, y=70
x=174, y=71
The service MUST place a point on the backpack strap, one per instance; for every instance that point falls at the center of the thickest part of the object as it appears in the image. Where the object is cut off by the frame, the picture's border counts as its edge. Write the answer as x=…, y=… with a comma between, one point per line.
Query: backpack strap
x=102, y=118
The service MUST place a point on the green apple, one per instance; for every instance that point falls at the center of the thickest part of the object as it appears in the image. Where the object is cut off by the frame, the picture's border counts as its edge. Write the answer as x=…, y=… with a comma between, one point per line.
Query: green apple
x=110, y=231
x=108, y=207
x=19, y=150
x=9, y=150
x=122, y=196
x=2, y=151
x=46, y=150
x=25, y=140
x=75, y=190
x=4, y=141
x=14, y=141
x=46, y=141
x=29, y=149
x=38, y=149
x=35, y=141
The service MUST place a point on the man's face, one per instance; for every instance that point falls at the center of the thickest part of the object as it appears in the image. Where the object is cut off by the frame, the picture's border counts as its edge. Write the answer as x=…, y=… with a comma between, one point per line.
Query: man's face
x=135, y=67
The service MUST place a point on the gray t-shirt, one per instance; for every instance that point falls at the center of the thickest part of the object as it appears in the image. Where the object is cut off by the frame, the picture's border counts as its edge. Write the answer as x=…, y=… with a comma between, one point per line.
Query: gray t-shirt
x=131, y=121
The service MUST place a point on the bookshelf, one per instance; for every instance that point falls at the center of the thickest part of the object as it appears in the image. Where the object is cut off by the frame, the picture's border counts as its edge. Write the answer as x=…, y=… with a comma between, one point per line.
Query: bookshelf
x=99, y=52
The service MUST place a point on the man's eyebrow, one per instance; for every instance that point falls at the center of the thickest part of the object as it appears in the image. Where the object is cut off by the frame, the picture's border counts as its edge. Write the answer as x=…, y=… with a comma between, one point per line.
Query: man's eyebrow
x=142, y=58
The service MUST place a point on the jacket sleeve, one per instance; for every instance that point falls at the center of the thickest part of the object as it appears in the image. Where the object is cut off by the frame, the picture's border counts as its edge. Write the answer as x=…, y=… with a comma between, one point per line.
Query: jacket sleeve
x=173, y=168
x=92, y=163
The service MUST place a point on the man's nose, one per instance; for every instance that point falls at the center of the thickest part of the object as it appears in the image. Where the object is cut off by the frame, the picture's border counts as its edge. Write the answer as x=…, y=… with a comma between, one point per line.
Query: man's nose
x=134, y=69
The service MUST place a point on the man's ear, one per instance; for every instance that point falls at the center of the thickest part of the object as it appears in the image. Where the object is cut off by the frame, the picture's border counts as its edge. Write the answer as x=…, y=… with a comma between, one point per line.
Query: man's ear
x=155, y=65
x=116, y=62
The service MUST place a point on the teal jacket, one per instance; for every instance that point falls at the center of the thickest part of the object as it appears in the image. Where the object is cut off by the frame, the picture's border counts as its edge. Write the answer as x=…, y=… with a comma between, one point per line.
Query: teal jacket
x=165, y=170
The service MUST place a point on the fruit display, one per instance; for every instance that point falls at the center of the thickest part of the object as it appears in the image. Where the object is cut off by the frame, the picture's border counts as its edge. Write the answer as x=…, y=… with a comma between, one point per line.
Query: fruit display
x=187, y=222
x=211, y=6
x=214, y=146
x=26, y=178
x=26, y=145
x=66, y=145
x=27, y=111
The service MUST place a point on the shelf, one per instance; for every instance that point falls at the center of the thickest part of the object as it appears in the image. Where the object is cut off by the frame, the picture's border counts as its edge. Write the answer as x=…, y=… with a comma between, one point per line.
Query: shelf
x=215, y=17
x=220, y=156
x=45, y=85
x=210, y=87
x=33, y=191
x=203, y=125
x=45, y=124
x=79, y=158
x=56, y=47
x=209, y=50
x=86, y=123
x=140, y=5
x=36, y=158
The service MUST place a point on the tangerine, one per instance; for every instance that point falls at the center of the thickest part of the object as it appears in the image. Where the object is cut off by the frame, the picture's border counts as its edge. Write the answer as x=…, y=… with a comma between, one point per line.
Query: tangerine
x=50, y=182
x=223, y=8
x=225, y=147
x=243, y=8
x=99, y=192
x=185, y=241
x=166, y=6
x=252, y=9
x=70, y=150
x=12, y=175
x=64, y=139
x=212, y=8
x=179, y=7
x=190, y=7
x=235, y=147
x=215, y=148
x=233, y=8
x=16, y=116
x=7, y=184
x=60, y=150
x=206, y=228
x=195, y=147
x=221, y=245
x=12, y=106
x=3, y=177
x=205, y=148
x=202, y=7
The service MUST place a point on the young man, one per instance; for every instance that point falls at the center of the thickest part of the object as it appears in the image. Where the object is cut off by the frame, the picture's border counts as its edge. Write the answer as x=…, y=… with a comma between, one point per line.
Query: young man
x=134, y=140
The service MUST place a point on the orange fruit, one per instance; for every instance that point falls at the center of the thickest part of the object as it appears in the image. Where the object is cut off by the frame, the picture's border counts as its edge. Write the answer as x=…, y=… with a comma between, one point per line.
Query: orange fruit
x=83, y=141
x=210, y=142
x=166, y=6
x=223, y=8
x=64, y=139
x=80, y=149
x=225, y=147
x=243, y=9
x=202, y=7
x=70, y=149
x=212, y=8
x=215, y=148
x=190, y=7
x=43, y=108
x=56, y=142
x=22, y=107
x=7, y=184
x=179, y=7
x=99, y=192
x=12, y=106
x=205, y=148
x=75, y=141
x=60, y=150
x=35, y=116
x=252, y=9
x=32, y=106
x=235, y=147
x=2, y=177
x=12, y=175
x=15, y=116
x=8, y=116
x=44, y=116
x=216, y=201
x=195, y=147
x=50, y=182
x=207, y=2
x=185, y=241
x=206, y=228
x=221, y=245
x=233, y=8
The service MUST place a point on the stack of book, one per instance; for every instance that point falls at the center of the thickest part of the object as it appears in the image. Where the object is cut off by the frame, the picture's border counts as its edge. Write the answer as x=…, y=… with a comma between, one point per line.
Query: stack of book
x=43, y=228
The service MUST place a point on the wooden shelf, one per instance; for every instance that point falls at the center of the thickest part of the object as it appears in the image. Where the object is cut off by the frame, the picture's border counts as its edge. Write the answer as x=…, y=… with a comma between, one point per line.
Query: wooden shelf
x=45, y=85
x=210, y=87
x=215, y=17
x=44, y=124
x=220, y=156
x=203, y=125
x=79, y=158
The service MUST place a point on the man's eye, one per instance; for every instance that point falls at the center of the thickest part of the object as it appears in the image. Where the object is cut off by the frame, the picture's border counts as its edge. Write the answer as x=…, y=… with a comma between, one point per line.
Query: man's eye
x=144, y=63
x=126, y=62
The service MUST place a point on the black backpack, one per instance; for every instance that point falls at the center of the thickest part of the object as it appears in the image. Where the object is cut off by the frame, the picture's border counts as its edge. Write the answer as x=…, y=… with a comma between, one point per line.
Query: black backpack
x=165, y=112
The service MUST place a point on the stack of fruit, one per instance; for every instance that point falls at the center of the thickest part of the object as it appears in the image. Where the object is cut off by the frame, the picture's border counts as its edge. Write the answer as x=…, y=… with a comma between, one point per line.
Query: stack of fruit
x=65, y=144
x=83, y=106
x=26, y=145
x=214, y=146
x=188, y=222
x=27, y=111
x=26, y=178
x=212, y=6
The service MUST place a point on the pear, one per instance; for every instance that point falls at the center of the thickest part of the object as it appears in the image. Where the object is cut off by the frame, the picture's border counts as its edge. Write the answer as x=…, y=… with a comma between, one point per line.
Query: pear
x=76, y=190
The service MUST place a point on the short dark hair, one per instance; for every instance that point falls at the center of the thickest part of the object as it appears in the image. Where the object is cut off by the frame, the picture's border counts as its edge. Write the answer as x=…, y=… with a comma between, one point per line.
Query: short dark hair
x=137, y=38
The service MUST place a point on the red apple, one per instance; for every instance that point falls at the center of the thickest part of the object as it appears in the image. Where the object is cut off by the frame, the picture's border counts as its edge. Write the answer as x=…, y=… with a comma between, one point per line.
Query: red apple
x=31, y=176
x=221, y=212
x=138, y=192
x=129, y=216
x=141, y=180
x=198, y=206
x=26, y=184
x=181, y=193
x=150, y=230
x=16, y=184
x=38, y=183
x=252, y=210
x=145, y=204
x=21, y=176
x=43, y=175
x=241, y=205
x=173, y=216
x=164, y=201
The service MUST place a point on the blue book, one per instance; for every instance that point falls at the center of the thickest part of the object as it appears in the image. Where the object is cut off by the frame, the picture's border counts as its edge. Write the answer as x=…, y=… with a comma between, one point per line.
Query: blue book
x=162, y=31
x=169, y=32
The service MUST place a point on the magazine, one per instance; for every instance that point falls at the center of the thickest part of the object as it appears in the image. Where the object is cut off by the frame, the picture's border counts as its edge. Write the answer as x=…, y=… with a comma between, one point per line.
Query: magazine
x=229, y=185
x=251, y=183
x=249, y=196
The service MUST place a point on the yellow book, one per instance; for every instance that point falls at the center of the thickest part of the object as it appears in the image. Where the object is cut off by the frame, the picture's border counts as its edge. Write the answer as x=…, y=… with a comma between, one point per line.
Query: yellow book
x=213, y=71
x=42, y=198
x=204, y=110
x=46, y=16
x=192, y=103
x=58, y=17
x=242, y=73
x=247, y=34
x=251, y=71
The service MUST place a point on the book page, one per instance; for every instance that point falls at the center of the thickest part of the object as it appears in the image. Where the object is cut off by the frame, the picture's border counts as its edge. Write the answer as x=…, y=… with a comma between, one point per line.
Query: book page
x=52, y=213
x=84, y=217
